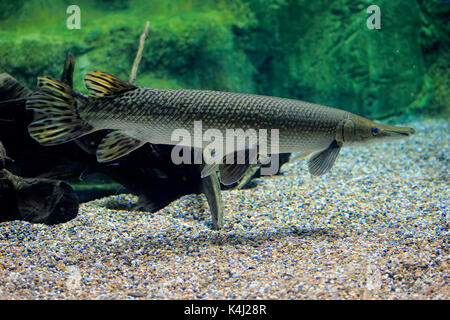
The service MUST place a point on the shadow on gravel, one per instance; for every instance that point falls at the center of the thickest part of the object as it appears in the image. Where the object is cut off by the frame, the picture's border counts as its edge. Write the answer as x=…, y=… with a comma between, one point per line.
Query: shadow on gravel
x=184, y=243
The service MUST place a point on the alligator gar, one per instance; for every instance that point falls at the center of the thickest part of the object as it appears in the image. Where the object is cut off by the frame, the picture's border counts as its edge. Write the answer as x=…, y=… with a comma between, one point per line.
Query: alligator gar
x=139, y=115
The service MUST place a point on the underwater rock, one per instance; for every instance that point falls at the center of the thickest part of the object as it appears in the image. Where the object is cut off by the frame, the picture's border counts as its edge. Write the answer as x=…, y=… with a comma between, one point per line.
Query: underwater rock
x=36, y=200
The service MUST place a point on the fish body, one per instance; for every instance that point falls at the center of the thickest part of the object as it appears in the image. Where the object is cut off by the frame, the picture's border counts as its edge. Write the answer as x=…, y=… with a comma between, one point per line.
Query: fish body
x=151, y=115
x=139, y=115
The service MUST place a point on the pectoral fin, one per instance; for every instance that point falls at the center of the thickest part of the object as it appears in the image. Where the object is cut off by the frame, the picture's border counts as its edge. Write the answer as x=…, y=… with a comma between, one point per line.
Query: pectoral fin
x=116, y=144
x=322, y=162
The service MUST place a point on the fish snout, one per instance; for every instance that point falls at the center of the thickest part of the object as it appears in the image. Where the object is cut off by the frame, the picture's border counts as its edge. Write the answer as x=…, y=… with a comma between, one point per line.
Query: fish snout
x=398, y=132
x=405, y=131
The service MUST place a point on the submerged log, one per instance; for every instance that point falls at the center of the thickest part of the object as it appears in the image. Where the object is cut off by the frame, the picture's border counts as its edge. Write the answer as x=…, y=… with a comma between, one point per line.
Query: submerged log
x=147, y=172
x=3, y=156
x=36, y=200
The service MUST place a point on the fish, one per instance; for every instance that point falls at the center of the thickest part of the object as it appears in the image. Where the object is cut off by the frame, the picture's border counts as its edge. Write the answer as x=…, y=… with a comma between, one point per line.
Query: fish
x=137, y=115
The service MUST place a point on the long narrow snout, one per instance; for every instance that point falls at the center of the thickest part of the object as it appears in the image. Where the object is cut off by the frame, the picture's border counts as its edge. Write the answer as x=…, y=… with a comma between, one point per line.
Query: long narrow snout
x=386, y=132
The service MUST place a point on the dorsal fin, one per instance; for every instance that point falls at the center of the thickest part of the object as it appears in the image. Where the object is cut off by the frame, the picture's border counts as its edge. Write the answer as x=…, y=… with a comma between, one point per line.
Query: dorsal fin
x=101, y=84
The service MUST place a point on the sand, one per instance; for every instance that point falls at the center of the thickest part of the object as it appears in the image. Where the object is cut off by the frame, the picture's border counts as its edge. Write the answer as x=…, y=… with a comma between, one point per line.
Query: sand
x=376, y=227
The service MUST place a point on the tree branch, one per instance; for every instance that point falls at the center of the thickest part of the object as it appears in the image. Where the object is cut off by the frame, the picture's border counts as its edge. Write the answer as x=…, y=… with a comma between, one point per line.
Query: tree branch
x=138, y=58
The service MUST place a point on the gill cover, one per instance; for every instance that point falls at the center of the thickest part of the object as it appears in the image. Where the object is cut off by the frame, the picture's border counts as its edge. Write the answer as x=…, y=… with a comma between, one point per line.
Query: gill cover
x=346, y=131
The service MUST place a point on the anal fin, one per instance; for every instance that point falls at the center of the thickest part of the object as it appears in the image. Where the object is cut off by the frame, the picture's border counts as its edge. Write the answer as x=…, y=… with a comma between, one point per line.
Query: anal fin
x=115, y=145
x=209, y=169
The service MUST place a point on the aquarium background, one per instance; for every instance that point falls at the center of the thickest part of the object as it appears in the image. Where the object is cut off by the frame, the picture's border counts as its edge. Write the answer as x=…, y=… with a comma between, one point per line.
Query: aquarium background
x=318, y=51
x=375, y=227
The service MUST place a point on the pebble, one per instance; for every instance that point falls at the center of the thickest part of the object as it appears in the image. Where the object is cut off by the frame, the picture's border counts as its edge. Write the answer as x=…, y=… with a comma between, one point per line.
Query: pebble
x=375, y=227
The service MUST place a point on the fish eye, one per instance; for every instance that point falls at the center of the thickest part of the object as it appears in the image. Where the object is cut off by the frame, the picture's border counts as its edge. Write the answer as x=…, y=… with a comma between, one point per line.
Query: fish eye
x=375, y=131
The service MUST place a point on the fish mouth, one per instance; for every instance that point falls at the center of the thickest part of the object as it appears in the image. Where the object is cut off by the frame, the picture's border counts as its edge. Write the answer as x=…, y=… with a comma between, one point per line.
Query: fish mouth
x=401, y=131
x=389, y=132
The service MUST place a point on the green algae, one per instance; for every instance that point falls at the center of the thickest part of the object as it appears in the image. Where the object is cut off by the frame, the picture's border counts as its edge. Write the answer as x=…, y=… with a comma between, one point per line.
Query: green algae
x=317, y=51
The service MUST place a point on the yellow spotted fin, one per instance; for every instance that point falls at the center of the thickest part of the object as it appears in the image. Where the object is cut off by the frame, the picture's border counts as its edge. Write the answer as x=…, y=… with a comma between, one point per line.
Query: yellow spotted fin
x=101, y=84
x=115, y=145
x=58, y=120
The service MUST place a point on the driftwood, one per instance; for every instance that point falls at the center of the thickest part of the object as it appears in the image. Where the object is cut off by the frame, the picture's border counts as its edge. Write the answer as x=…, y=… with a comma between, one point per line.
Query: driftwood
x=3, y=156
x=147, y=172
x=137, y=60
x=36, y=200
x=33, y=199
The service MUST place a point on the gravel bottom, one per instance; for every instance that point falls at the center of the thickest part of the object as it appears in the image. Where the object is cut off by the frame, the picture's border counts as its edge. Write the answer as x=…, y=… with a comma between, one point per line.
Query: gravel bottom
x=376, y=227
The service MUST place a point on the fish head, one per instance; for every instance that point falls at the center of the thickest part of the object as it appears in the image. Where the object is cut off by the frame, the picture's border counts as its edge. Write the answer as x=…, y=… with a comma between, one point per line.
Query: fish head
x=359, y=130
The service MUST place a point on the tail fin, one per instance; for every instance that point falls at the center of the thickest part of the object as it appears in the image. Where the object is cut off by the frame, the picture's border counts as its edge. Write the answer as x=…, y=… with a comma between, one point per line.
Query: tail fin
x=57, y=106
